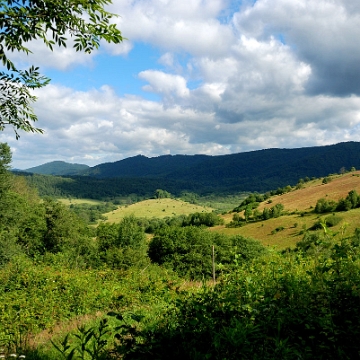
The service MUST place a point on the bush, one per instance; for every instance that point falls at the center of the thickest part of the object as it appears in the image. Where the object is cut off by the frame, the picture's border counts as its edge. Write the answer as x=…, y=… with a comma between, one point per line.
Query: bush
x=332, y=220
x=122, y=245
x=344, y=205
x=279, y=228
x=206, y=219
x=325, y=206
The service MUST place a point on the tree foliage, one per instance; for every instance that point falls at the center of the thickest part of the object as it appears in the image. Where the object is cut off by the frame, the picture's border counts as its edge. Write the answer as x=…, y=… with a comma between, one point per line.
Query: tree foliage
x=122, y=245
x=188, y=250
x=23, y=21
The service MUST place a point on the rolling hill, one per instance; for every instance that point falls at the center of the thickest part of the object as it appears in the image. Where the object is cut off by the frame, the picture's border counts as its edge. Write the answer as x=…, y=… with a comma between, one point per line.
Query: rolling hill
x=60, y=168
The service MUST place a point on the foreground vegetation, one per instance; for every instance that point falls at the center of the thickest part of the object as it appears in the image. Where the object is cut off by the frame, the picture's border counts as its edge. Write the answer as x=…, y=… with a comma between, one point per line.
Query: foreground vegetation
x=74, y=291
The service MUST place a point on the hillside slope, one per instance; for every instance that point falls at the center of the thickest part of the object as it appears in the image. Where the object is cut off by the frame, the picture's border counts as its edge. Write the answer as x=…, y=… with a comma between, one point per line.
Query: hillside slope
x=304, y=199
x=287, y=230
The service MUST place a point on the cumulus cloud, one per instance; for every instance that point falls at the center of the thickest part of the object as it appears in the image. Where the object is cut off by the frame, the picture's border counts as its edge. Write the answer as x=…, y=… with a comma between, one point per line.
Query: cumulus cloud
x=321, y=33
x=166, y=84
x=190, y=26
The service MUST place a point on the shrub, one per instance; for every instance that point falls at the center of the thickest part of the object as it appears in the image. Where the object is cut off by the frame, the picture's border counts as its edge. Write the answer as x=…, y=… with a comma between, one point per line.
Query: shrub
x=325, y=206
x=344, y=205
x=332, y=220
x=279, y=228
x=199, y=219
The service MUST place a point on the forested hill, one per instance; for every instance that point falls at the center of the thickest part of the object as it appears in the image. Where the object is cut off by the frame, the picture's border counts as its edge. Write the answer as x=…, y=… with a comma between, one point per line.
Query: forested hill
x=255, y=170
x=141, y=166
x=58, y=168
x=260, y=171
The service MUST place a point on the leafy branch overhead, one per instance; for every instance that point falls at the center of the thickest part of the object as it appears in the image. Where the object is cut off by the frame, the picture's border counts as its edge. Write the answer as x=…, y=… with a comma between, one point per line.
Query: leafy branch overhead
x=52, y=21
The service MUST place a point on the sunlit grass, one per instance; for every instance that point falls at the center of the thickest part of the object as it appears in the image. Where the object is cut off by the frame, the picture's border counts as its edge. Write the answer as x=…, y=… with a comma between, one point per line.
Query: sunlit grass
x=155, y=208
x=67, y=201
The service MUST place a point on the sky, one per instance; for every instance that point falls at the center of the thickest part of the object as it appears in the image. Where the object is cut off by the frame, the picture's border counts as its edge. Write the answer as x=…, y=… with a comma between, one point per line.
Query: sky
x=200, y=77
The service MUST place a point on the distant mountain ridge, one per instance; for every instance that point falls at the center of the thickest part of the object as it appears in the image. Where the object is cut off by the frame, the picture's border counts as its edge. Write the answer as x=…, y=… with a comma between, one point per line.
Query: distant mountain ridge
x=255, y=169
x=259, y=170
x=60, y=168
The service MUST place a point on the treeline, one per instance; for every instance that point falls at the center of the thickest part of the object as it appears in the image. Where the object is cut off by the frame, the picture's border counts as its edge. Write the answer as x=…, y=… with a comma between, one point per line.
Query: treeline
x=117, y=190
x=187, y=250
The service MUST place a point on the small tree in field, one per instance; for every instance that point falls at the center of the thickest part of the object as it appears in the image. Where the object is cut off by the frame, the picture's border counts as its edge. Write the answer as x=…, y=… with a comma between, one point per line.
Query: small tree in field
x=162, y=194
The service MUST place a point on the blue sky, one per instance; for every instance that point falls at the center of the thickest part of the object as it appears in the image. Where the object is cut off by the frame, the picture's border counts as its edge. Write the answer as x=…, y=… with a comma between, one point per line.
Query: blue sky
x=201, y=76
x=120, y=72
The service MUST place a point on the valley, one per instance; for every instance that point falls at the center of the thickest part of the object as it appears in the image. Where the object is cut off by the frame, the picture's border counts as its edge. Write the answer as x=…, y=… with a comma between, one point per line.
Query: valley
x=141, y=275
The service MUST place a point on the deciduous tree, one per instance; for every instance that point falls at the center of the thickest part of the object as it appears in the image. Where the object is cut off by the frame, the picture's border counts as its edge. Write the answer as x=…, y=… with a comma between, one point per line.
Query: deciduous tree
x=51, y=21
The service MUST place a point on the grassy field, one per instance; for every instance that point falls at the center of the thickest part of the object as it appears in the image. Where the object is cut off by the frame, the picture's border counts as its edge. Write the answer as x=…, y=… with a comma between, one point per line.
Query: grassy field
x=265, y=231
x=300, y=204
x=303, y=199
x=68, y=202
x=155, y=208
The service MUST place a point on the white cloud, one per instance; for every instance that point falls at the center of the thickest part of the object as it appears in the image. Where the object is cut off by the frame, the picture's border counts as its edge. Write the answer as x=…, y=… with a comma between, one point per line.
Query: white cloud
x=166, y=84
x=321, y=33
x=190, y=26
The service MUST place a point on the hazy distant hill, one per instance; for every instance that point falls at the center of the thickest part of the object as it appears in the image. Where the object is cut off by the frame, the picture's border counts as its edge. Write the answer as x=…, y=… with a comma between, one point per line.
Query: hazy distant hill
x=58, y=168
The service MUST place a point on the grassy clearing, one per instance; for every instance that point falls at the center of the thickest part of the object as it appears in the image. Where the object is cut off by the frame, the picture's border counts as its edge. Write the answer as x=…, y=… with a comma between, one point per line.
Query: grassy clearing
x=222, y=203
x=68, y=202
x=155, y=208
x=262, y=230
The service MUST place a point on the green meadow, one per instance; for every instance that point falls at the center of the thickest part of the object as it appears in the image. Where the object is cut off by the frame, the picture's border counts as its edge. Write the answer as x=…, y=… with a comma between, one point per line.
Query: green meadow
x=155, y=208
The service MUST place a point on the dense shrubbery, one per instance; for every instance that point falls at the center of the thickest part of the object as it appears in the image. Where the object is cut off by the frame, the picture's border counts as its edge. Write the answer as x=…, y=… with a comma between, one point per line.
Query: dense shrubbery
x=92, y=213
x=205, y=219
x=280, y=307
x=329, y=221
x=188, y=251
x=252, y=202
x=325, y=206
x=196, y=219
x=122, y=245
